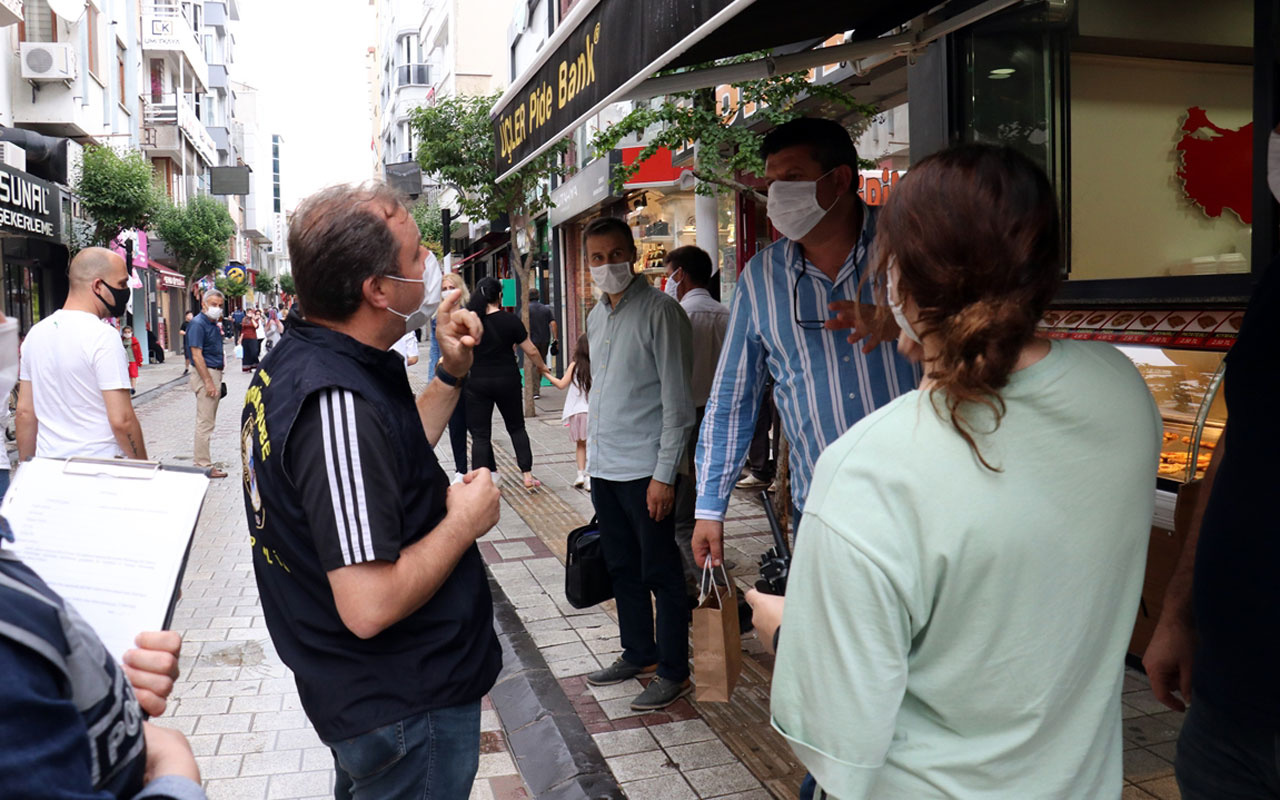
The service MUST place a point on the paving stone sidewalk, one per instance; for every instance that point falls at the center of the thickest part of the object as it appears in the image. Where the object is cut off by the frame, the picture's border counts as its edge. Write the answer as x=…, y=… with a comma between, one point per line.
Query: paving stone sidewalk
x=235, y=700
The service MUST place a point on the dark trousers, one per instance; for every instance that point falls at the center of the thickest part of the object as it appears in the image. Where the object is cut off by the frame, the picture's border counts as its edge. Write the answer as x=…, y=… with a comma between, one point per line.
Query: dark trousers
x=482, y=394
x=1220, y=759
x=686, y=499
x=762, y=454
x=458, y=436
x=643, y=560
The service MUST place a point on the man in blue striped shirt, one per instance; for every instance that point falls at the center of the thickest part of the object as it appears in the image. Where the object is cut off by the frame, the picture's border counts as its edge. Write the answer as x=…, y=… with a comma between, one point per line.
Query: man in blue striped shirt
x=781, y=323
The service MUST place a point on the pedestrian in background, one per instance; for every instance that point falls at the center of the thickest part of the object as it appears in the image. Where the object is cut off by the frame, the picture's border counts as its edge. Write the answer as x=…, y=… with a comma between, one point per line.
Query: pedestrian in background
x=273, y=328
x=576, y=385
x=237, y=320
x=133, y=354
x=495, y=381
x=690, y=271
x=407, y=347
x=186, y=348
x=542, y=331
x=209, y=358
x=638, y=426
x=249, y=341
x=968, y=569
x=73, y=397
x=452, y=282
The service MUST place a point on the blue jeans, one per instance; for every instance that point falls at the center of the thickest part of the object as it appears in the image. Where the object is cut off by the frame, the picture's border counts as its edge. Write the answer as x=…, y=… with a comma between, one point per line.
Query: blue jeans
x=430, y=756
x=1220, y=759
x=433, y=352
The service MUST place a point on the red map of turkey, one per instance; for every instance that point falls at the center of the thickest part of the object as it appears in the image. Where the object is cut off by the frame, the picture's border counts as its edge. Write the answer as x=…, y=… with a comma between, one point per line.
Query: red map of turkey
x=1217, y=166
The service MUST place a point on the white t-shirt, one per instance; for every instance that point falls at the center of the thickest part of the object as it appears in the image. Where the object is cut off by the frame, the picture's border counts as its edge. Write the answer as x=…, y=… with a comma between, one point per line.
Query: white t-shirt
x=575, y=402
x=407, y=347
x=71, y=358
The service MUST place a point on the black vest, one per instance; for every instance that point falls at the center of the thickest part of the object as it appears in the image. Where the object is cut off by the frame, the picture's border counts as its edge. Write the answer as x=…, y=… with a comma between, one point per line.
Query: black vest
x=444, y=654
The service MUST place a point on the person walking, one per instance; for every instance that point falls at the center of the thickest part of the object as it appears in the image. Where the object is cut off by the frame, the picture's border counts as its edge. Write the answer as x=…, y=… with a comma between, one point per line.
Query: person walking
x=963, y=633
x=133, y=354
x=576, y=385
x=204, y=337
x=237, y=320
x=272, y=328
x=73, y=394
x=372, y=587
x=249, y=341
x=452, y=282
x=638, y=427
x=542, y=330
x=495, y=381
x=186, y=349
x=781, y=325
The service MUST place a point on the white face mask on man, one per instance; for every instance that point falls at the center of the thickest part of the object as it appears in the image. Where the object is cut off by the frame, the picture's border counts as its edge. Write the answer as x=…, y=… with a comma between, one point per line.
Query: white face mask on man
x=431, y=281
x=612, y=278
x=673, y=285
x=793, y=206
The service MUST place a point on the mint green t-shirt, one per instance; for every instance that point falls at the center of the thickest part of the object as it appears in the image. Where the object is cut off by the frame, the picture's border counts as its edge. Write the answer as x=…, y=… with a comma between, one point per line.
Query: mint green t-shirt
x=953, y=632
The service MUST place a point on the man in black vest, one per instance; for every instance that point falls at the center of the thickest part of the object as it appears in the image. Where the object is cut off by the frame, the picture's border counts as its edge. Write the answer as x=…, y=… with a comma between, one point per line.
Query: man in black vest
x=372, y=587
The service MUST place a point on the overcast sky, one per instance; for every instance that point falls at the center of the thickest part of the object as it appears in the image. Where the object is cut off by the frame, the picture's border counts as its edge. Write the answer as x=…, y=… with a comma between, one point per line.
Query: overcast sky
x=307, y=59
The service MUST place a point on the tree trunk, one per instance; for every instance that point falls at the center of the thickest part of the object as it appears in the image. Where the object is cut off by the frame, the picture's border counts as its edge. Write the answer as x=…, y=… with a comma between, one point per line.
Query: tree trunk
x=521, y=270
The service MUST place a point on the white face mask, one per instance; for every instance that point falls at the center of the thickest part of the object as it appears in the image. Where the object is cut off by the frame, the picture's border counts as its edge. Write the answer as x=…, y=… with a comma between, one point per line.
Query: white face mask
x=8, y=356
x=612, y=278
x=214, y=313
x=431, y=294
x=895, y=306
x=673, y=286
x=793, y=207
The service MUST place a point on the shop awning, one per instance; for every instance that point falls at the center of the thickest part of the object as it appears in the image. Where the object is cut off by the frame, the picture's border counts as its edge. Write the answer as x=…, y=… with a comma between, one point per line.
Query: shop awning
x=606, y=48
x=169, y=278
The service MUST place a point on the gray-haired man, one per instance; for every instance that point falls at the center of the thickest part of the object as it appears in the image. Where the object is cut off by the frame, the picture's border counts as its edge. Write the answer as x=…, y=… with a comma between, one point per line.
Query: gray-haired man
x=204, y=337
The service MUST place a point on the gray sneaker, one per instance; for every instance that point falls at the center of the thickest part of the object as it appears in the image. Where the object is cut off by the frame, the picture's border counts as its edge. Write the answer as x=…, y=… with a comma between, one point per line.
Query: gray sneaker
x=660, y=693
x=619, y=671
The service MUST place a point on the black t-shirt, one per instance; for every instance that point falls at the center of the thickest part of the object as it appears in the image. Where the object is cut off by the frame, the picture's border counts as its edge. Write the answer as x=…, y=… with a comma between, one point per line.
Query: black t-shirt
x=494, y=356
x=1237, y=577
x=540, y=319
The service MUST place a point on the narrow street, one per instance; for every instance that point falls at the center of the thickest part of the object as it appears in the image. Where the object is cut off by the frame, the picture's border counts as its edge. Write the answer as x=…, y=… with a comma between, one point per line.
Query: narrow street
x=546, y=732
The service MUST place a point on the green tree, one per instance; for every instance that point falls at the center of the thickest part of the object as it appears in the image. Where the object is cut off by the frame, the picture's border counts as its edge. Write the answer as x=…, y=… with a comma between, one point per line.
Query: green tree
x=197, y=233
x=264, y=284
x=726, y=145
x=455, y=139
x=430, y=226
x=286, y=284
x=232, y=289
x=117, y=192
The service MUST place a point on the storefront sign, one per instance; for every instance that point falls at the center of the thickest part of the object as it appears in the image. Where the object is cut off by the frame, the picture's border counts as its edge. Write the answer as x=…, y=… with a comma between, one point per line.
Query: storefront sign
x=29, y=206
x=171, y=281
x=612, y=44
x=875, y=186
x=589, y=188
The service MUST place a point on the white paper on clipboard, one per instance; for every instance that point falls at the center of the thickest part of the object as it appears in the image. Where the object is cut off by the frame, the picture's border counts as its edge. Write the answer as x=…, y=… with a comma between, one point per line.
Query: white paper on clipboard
x=110, y=537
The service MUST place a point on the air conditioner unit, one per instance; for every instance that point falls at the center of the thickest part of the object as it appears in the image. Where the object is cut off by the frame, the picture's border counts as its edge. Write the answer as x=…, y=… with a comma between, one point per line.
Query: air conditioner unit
x=13, y=156
x=48, y=61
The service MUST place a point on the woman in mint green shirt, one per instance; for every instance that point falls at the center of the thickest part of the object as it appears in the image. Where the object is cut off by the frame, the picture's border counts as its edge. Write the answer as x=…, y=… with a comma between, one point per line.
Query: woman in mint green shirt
x=971, y=555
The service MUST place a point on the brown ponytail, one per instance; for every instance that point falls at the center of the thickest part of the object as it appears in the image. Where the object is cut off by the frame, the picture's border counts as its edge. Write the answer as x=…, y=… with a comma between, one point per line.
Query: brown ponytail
x=974, y=233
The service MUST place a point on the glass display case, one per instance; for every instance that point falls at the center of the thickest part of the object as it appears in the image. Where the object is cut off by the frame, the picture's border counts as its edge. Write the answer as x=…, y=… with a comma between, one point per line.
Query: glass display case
x=1186, y=385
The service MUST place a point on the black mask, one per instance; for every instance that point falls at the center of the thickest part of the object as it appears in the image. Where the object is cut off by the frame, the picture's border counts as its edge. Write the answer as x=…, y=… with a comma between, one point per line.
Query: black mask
x=119, y=300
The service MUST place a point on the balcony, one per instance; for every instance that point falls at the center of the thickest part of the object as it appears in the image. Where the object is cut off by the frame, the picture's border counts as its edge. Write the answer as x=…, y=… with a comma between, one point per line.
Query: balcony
x=413, y=75
x=215, y=14
x=221, y=139
x=218, y=77
x=166, y=29
x=163, y=116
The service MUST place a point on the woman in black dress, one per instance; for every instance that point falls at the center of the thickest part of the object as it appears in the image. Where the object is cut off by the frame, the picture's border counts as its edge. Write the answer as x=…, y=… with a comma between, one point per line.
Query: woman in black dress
x=495, y=380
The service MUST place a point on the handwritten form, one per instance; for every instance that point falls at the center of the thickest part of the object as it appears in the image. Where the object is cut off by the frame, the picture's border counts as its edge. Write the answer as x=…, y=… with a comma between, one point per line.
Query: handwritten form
x=110, y=537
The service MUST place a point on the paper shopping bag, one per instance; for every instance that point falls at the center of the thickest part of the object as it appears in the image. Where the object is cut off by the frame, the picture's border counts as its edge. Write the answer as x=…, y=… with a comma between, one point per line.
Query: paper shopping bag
x=717, y=645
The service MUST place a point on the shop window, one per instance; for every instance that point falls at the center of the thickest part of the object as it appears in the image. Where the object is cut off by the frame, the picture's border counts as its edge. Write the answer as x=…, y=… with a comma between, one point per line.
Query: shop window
x=39, y=23
x=91, y=23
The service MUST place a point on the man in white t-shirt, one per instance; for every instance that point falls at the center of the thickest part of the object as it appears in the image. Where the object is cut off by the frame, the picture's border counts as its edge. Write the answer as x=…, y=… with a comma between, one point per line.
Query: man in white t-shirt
x=73, y=395
x=407, y=347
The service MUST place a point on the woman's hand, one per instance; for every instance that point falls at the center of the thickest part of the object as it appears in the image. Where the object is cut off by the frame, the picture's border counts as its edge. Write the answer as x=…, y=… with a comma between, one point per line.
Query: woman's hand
x=766, y=614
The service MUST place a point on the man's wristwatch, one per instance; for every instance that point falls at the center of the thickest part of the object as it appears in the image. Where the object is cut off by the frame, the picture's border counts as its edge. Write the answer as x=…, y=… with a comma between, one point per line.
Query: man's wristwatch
x=447, y=379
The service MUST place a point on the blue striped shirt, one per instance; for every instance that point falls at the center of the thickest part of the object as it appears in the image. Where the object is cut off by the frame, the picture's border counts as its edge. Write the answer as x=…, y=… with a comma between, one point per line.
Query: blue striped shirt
x=823, y=385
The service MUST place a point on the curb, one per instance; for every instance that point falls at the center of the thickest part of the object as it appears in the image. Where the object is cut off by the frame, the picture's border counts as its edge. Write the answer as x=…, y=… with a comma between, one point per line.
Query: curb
x=155, y=391
x=555, y=754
